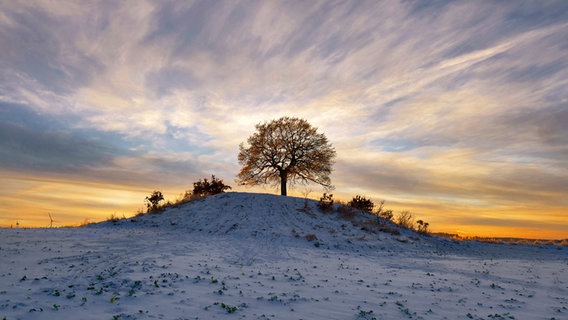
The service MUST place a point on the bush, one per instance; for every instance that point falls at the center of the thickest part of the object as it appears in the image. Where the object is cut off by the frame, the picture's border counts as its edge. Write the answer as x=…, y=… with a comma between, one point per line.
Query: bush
x=153, y=201
x=405, y=220
x=386, y=214
x=383, y=213
x=422, y=226
x=361, y=203
x=203, y=188
x=326, y=203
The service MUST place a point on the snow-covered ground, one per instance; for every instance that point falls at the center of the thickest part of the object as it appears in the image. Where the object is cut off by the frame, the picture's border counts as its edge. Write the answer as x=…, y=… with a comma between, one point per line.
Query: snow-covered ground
x=254, y=256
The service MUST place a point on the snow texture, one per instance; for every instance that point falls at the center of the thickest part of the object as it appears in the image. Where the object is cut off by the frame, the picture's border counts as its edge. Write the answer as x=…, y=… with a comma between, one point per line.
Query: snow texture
x=257, y=256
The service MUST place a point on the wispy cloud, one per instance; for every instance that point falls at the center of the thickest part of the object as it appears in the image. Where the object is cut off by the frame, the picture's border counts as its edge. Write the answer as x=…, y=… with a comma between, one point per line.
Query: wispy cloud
x=452, y=102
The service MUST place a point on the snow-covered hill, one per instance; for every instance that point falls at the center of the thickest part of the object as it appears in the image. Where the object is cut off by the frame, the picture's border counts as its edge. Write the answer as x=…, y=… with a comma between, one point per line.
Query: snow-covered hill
x=268, y=218
x=257, y=256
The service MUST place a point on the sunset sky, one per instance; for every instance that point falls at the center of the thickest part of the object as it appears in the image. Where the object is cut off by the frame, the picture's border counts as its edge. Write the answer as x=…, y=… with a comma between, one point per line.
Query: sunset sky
x=454, y=110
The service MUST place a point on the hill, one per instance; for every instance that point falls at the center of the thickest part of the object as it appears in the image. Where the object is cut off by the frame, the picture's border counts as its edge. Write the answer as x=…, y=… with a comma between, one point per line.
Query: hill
x=267, y=217
x=257, y=256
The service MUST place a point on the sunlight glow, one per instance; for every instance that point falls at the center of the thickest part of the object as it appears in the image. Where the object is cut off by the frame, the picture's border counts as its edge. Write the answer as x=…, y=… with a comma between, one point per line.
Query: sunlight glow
x=453, y=110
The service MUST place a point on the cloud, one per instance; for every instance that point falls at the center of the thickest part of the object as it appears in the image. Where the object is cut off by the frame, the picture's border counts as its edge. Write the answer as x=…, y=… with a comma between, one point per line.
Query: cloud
x=37, y=46
x=30, y=143
x=452, y=101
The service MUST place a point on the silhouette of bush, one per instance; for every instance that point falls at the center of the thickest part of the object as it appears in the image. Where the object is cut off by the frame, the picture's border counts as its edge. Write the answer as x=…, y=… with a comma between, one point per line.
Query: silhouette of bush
x=383, y=213
x=361, y=203
x=153, y=201
x=405, y=220
x=326, y=203
x=203, y=188
x=422, y=226
x=386, y=214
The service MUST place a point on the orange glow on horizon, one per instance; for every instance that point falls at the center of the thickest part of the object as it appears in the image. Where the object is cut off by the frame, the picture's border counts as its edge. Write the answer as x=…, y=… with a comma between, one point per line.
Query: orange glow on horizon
x=72, y=203
x=473, y=231
x=29, y=202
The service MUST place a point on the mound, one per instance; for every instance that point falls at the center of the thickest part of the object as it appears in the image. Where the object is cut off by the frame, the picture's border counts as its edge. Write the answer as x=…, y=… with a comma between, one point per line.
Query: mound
x=270, y=224
x=255, y=256
x=272, y=220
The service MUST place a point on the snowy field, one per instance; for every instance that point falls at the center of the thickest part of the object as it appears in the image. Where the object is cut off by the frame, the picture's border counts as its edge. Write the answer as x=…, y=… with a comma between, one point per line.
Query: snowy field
x=253, y=256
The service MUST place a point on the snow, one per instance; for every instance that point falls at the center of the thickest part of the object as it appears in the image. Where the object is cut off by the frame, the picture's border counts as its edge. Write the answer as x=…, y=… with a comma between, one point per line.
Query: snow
x=257, y=256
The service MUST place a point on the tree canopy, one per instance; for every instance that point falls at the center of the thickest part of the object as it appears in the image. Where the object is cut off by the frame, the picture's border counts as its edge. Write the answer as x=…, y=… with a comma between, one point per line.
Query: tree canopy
x=286, y=150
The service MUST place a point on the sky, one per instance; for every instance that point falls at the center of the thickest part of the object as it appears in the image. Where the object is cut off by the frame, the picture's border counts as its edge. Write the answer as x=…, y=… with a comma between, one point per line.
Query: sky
x=454, y=110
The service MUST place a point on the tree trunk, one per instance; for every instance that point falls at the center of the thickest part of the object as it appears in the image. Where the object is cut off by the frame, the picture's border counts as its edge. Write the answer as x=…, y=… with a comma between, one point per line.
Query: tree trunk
x=283, y=182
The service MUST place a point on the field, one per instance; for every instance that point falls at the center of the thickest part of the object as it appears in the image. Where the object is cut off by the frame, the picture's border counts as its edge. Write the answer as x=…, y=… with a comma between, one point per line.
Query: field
x=253, y=256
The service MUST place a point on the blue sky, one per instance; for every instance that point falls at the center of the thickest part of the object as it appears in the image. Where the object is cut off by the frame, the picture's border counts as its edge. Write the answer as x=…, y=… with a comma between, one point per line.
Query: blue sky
x=455, y=110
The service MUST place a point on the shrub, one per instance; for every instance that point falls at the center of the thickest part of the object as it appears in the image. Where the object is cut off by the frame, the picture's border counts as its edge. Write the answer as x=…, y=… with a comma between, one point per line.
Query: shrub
x=422, y=226
x=386, y=214
x=405, y=220
x=203, y=188
x=326, y=202
x=153, y=201
x=361, y=203
x=383, y=213
x=185, y=197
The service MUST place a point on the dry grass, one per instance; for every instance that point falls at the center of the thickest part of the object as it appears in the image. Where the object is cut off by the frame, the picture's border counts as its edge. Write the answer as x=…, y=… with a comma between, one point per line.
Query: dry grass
x=347, y=212
x=311, y=237
x=114, y=218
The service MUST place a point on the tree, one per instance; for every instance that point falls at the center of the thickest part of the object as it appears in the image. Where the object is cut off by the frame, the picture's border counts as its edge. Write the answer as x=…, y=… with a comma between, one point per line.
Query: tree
x=286, y=150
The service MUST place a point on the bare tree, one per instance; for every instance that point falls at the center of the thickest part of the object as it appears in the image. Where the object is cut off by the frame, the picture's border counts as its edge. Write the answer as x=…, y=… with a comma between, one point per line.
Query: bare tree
x=286, y=150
